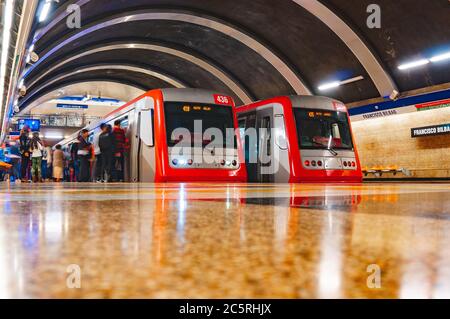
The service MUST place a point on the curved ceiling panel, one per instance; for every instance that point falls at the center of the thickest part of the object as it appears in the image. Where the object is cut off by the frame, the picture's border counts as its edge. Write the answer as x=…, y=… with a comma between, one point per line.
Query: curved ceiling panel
x=140, y=79
x=298, y=33
x=302, y=40
x=196, y=70
x=376, y=71
x=410, y=30
x=212, y=38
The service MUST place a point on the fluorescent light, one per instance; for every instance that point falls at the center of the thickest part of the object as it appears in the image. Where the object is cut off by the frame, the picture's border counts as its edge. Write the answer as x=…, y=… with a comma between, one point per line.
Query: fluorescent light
x=358, y=78
x=330, y=85
x=336, y=84
x=440, y=57
x=414, y=64
x=45, y=10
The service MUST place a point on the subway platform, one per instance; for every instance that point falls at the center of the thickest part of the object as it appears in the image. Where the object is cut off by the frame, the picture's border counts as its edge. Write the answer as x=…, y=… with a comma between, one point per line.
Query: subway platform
x=225, y=241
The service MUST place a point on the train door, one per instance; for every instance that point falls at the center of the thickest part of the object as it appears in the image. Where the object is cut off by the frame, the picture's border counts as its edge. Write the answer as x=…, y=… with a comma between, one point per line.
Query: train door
x=265, y=163
x=145, y=142
x=248, y=121
x=126, y=124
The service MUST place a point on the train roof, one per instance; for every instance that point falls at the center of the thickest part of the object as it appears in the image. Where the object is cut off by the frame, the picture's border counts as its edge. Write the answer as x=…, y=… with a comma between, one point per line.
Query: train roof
x=303, y=101
x=169, y=95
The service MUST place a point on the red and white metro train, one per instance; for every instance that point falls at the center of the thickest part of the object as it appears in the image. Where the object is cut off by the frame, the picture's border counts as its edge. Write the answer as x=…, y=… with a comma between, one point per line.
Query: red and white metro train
x=297, y=139
x=301, y=138
x=150, y=121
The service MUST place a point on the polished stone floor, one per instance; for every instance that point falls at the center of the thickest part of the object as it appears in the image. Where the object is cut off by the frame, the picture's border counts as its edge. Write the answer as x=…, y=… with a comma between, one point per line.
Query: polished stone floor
x=378, y=240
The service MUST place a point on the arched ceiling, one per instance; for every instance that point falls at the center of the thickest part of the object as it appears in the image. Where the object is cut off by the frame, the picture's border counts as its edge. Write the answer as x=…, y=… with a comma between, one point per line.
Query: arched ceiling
x=248, y=49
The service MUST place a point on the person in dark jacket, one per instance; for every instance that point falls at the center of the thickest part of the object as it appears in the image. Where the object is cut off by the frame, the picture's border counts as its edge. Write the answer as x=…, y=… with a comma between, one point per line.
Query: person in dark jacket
x=84, y=154
x=106, y=142
x=74, y=159
x=24, y=148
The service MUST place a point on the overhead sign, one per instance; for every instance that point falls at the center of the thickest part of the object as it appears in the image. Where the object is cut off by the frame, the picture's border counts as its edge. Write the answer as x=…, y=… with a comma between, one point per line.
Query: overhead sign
x=72, y=106
x=430, y=130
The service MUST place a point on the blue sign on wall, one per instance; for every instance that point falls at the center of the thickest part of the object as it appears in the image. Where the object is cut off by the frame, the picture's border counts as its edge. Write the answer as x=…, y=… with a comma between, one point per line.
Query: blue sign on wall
x=33, y=125
x=72, y=106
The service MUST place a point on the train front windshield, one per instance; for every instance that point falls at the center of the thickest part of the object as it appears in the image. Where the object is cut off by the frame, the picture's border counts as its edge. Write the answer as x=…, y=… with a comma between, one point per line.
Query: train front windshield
x=320, y=129
x=184, y=116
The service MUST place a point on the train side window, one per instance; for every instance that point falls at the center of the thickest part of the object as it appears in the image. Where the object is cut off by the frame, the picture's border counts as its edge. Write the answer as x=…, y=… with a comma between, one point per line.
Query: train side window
x=146, y=127
x=280, y=132
x=124, y=123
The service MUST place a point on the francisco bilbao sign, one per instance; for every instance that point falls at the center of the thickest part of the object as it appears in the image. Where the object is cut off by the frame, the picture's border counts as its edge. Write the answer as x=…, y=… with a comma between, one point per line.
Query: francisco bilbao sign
x=384, y=113
x=430, y=130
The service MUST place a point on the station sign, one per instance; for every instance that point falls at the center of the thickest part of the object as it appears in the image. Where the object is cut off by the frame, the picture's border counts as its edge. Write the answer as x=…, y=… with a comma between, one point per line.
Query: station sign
x=383, y=113
x=72, y=106
x=430, y=130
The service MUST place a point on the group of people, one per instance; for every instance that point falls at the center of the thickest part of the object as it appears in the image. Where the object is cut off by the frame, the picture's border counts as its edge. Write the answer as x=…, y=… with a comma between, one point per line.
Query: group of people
x=103, y=160
x=107, y=152
x=35, y=157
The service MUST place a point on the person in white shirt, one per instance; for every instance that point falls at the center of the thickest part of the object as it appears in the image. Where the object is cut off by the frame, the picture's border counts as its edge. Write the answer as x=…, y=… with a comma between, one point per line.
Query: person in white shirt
x=37, y=148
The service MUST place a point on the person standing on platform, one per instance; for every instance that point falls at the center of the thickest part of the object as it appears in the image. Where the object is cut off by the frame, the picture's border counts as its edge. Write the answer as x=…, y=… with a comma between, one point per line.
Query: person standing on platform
x=48, y=168
x=14, y=160
x=75, y=161
x=58, y=164
x=44, y=164
x=119, y=152
x=24, y=148
x=37, y=150
x=106, y=143
x=84, y=155
x=98, y=174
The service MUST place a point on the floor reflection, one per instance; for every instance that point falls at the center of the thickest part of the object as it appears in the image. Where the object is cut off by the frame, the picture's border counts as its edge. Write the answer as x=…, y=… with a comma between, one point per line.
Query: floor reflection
x=232, y=241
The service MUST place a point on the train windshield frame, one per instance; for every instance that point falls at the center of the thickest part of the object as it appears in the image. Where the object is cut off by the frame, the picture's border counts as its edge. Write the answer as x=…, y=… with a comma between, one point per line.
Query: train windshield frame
x=323, y=129
x=182, y=115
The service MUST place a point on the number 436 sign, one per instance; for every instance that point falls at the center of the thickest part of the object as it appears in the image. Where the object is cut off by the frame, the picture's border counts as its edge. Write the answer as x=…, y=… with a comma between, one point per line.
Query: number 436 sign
x=223, y=99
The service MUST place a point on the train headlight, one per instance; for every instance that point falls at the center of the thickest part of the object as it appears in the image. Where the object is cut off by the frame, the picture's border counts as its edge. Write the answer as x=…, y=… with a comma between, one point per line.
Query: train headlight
x=175, y=162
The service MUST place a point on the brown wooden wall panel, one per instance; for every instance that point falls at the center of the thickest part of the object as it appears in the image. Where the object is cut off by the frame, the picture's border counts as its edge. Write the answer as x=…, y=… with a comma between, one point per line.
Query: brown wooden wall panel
x=386, y=142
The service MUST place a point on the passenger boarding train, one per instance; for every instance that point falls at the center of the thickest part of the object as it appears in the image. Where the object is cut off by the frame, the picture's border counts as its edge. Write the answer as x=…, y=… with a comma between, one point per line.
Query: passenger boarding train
x=302, y=138
x=150, y=121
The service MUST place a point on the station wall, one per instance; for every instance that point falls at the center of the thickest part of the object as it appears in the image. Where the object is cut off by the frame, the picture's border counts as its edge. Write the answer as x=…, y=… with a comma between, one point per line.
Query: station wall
x=387, y=142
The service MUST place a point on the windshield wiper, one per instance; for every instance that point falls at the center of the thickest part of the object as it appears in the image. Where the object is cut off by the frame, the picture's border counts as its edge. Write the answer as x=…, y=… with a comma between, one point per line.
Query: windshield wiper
x=332, y=151
x=329, y=149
